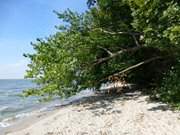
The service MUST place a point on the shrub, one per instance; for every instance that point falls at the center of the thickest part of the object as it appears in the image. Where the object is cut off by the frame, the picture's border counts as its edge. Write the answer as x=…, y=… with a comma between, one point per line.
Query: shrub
x=169, y=90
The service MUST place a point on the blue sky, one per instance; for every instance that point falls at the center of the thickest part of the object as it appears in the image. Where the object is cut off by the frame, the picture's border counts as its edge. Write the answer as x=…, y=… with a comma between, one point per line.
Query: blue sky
x=22, y=21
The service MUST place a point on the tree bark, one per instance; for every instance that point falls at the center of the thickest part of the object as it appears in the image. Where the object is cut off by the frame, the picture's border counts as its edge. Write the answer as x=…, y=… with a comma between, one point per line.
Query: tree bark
x=133, y=67
x=119, y=32
x=99, y=61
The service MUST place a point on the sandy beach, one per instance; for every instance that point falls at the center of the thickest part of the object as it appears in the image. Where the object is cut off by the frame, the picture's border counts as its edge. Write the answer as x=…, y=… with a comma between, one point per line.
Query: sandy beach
x=127, y=114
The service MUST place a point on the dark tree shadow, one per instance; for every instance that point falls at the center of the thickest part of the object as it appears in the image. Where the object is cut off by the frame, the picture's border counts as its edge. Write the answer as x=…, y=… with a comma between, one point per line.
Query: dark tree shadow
x=103, y=104
x=160, y=107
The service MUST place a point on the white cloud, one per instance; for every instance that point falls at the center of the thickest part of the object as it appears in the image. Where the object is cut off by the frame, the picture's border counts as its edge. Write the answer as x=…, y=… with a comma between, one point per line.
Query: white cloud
x=13, y=70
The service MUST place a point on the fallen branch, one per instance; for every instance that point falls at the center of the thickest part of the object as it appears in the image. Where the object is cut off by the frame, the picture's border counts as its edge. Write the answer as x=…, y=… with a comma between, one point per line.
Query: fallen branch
x=133, y=67
x=99, y=61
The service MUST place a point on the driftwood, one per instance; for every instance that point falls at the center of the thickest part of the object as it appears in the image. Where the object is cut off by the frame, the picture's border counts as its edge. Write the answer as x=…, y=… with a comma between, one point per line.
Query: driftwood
x=117, y=88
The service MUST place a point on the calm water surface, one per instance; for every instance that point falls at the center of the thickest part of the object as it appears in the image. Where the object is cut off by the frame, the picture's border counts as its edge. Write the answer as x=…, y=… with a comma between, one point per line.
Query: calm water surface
x=11, y=103
x=12, y=106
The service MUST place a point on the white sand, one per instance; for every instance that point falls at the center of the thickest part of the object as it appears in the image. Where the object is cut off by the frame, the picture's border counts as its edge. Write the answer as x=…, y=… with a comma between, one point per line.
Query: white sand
x=125, y=115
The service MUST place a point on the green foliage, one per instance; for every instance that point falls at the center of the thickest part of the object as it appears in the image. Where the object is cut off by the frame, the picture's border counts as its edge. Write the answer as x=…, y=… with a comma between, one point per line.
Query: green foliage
x=150, y=75
x=63, y=62
x=157, y=19
x=169, y=90
x=67, y=62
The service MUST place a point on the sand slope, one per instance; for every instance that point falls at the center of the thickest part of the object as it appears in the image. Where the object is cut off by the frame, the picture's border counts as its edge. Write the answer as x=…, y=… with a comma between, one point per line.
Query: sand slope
x=130, y=114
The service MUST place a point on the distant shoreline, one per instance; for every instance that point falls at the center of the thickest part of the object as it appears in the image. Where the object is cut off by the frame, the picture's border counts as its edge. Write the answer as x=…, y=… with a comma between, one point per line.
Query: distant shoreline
x=16, y=79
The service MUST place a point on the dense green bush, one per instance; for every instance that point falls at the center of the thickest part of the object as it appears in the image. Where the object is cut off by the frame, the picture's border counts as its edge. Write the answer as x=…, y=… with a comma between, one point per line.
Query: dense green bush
x=150, y=75
x=169, y=90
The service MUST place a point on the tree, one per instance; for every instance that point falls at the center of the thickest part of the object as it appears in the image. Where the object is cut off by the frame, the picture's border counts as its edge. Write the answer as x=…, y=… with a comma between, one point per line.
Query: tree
x=105, y=44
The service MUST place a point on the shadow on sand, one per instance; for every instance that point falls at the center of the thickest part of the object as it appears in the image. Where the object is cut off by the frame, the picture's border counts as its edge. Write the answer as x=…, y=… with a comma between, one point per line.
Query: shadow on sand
x=103, y=104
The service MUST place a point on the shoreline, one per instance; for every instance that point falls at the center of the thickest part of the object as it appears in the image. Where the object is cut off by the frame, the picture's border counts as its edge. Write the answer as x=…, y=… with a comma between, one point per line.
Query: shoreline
x=128, y=114
x=17, y=123
x=26, y=122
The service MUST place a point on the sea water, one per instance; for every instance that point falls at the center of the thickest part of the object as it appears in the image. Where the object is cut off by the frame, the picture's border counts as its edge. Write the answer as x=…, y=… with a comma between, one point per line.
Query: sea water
x=11, y=103
x=13, y=106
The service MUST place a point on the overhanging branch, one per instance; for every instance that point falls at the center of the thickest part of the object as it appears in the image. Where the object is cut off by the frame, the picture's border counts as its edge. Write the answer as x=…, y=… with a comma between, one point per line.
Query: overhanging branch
x=133, y=34
x=119, y=32
x=105, y=49
x=99, y=61
x=133, y=67
x=135, y=40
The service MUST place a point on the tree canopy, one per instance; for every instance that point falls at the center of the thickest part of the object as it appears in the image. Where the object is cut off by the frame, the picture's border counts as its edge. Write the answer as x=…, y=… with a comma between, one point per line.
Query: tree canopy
x=114, y=40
